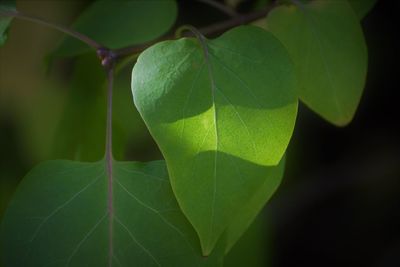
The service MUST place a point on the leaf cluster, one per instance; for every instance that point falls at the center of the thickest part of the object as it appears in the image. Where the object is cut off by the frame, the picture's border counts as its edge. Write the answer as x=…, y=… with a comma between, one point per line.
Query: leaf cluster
x=222, y=111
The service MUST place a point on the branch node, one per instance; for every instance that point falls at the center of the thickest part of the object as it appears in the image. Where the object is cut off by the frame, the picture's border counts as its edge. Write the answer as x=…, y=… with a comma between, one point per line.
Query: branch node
x=107, y=57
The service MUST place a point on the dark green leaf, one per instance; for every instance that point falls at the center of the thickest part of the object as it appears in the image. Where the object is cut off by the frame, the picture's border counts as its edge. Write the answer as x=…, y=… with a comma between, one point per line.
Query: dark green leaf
x=5, y=6
x=246, y=215
x=116, y=24
x=85, y=110
x=327, y=45
x=218, y=118
x=80, y=134
x=362, y=7
x=253, y=248
x=60, y=216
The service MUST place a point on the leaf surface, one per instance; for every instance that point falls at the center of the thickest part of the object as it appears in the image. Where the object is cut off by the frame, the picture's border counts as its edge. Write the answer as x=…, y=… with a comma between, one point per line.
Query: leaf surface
x=326, y=43
x=5, y=6
x=253, y=206
x=221, y=112
x=362, y=7
x=86, y=110
x=117, y=24
x=60, y=216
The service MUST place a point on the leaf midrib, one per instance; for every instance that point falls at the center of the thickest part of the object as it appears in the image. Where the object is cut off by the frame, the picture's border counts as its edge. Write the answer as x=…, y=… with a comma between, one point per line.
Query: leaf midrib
x=314, y=30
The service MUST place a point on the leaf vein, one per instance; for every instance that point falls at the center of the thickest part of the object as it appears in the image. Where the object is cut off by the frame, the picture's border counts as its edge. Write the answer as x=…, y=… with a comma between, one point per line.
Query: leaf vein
x=136, y=241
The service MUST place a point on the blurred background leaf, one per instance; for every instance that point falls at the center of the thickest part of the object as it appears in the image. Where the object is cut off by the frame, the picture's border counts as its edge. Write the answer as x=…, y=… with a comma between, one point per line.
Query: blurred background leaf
x=362, y=7
x=118, y=23
x=5, y=5
x=339, y=200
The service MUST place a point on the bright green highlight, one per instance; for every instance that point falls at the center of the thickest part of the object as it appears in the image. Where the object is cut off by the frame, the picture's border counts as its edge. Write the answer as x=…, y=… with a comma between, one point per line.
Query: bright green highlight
x=220, y=117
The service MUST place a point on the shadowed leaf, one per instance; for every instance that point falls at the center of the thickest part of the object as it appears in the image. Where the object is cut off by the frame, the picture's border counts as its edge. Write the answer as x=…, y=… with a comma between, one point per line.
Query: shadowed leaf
x=5, y=6
x=362, y=7
x=60, y=216
x=221, y=112
x=117, y=24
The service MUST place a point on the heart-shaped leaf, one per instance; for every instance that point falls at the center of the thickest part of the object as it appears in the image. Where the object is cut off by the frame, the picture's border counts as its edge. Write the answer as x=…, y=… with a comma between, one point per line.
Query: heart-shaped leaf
x=220, y=110
x=5, y=7
x=67, y=213
x=116, y=24
x=326, y=43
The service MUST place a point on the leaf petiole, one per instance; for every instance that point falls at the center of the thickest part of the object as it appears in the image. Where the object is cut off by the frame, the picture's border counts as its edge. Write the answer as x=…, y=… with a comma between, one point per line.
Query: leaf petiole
x=77, y=35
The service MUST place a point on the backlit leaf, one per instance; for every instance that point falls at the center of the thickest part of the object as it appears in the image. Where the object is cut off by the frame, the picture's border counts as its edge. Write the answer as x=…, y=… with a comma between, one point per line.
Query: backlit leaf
x=220, y=116
x=326, y=43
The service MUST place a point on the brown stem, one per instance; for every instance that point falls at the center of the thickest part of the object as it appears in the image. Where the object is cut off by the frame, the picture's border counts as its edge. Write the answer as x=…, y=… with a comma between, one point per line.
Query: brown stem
x=208, y=31
x=109, y=159
x=221, y=7
x=90, y=42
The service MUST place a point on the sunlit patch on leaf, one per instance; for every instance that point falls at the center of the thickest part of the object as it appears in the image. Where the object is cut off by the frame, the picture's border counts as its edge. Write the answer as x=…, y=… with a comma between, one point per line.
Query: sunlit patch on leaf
x=221, y=115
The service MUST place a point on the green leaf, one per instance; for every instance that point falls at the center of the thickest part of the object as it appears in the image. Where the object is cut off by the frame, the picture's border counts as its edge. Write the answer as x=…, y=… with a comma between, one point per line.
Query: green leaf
x=253, y=248
x=117, y=24
x=85, y=110
x=245, y=216
x=327, y=45
x=362, y=7
x=61, y=216
x=219, y=119
x=5, y=6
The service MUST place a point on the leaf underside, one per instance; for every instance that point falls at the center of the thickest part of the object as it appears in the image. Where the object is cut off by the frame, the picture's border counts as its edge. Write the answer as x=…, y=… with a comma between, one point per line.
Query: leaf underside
x=59, y=216
x=221, y=113
x=326, y=43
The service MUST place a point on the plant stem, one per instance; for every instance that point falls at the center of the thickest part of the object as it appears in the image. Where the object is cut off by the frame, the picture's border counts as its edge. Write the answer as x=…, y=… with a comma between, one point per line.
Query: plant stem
x=110, y=81
x=109, y=159
x=90, y=42
x=221, y=7
x=209, y=31
x=220, y=27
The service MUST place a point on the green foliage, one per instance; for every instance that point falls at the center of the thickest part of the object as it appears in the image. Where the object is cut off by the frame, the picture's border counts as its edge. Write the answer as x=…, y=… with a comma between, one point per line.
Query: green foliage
x=122, y=23
x=220, y=116
x=362, y=7
x=253, y=248
x=222, y=112
x=326, y=43
x=85, y=110
x=5, y=6
x=60, y=217
x=253, y=206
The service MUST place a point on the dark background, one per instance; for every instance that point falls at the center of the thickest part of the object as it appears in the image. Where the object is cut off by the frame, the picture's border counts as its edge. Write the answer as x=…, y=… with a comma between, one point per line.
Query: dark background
x=339, y=203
